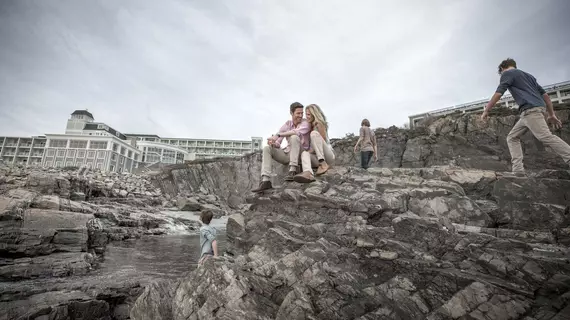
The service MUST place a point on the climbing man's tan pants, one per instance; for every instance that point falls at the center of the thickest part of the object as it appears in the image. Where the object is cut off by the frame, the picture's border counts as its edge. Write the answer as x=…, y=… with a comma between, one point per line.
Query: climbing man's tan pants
x=533, y=120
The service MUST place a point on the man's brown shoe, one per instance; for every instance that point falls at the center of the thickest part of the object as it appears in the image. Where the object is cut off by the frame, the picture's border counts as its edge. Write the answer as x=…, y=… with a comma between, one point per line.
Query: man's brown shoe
x=263, y=185
x=323, y=167
x=304, y=177
x=289, y=176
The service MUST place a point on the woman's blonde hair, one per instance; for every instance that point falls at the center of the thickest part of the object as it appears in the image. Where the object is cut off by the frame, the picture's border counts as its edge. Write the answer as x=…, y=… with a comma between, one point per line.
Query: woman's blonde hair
x=318, y=116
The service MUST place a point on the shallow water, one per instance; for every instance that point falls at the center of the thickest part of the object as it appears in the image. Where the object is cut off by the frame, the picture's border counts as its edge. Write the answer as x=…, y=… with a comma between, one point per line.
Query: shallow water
x=139, y=260
x=163, y=257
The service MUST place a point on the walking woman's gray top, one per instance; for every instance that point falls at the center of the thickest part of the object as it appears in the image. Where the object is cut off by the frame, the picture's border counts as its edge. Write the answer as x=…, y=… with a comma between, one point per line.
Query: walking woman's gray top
x=367, y=135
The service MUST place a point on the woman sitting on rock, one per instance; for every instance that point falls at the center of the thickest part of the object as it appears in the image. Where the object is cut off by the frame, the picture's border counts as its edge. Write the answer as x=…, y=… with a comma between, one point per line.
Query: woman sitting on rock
x=321, y=153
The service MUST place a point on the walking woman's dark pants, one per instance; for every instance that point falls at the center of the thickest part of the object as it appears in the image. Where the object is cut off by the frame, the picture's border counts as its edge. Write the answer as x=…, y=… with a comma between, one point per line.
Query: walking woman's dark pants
x=365, y=157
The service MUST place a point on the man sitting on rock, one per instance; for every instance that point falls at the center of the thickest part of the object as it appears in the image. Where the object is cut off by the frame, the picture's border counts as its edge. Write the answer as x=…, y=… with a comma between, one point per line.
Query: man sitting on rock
x=531, y=98
x=297, y=132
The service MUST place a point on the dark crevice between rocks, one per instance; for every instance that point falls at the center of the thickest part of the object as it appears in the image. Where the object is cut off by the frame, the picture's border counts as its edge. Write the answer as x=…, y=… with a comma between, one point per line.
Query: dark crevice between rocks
x=401, y=164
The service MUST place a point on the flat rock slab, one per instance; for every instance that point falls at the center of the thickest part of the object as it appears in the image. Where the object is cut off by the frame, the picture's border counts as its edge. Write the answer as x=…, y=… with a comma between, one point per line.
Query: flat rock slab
x=550, y=191
x=53, y=219
x=53, y=265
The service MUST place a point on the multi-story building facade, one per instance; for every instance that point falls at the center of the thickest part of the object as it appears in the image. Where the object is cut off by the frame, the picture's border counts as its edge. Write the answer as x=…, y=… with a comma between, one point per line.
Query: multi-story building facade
x=559, y=94
x=22, y=150
x=97, y=145
x=200, y=148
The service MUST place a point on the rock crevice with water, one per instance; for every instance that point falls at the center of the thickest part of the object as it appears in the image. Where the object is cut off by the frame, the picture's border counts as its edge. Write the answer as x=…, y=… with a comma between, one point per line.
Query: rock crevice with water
x=55, y=226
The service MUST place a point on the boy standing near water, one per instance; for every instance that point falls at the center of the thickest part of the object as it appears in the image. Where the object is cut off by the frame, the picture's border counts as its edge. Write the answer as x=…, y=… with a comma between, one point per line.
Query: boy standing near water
x=208, y=243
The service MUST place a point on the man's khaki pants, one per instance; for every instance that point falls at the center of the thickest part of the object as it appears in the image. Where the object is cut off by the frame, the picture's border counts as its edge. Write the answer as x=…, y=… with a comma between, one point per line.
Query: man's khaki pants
x=292, y=157
x=533, y=120
x=322, y=151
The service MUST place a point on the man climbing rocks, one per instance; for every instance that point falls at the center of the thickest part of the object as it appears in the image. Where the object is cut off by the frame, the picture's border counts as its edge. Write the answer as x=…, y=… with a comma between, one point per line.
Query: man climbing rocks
x=297, y=132
x=531, y=99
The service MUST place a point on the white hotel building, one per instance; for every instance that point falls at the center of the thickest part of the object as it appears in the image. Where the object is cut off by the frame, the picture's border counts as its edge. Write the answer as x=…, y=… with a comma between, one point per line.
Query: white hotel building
x=97, y=145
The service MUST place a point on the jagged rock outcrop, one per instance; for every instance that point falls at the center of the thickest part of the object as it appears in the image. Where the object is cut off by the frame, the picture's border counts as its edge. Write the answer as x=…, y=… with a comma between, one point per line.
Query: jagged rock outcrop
x=80, y=183
x=429, y=243
x=460, y=140
x=407, y=241
x=54, y=229
x=463, y=140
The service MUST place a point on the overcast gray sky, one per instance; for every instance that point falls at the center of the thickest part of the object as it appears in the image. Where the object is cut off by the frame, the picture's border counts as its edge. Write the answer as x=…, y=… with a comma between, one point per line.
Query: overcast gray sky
x=229, y=69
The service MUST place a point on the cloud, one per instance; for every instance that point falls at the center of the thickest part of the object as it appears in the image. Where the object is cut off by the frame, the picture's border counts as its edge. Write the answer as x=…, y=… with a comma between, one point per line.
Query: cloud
x=230, y=69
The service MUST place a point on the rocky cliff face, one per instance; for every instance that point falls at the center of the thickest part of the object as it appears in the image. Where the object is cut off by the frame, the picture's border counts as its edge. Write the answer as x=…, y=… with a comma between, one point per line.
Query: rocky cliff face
x=409, y=241
x=463, y=140
x=54, y=227
x=431, y=243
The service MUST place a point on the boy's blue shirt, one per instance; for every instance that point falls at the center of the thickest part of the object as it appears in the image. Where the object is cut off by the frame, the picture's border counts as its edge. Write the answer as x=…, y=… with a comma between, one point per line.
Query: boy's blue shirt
x=207, y=236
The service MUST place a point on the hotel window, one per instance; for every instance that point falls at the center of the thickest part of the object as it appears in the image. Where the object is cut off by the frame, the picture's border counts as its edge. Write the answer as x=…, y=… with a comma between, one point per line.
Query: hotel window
x=49, y=164
x=122, y=160
x=130, y=154
x=111, y=168
x=69, y=164
x=78, y=144
x=115, y=147
x=81, y=154
x=123, y=151
x=58, y=143
x=71, y=153
x=98, y=145
x=58, y=164
x=61, y=153
x=99, y=165
x=91, y=154
x=51, y=153
x=101, y=155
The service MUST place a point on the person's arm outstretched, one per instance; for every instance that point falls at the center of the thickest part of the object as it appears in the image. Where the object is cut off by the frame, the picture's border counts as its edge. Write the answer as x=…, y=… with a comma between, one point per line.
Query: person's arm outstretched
x=551, y=116
x=507, y=79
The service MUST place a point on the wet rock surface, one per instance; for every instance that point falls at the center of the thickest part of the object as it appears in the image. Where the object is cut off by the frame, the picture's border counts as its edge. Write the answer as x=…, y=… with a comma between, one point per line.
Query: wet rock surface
x=429, y=243
x=55, y=227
